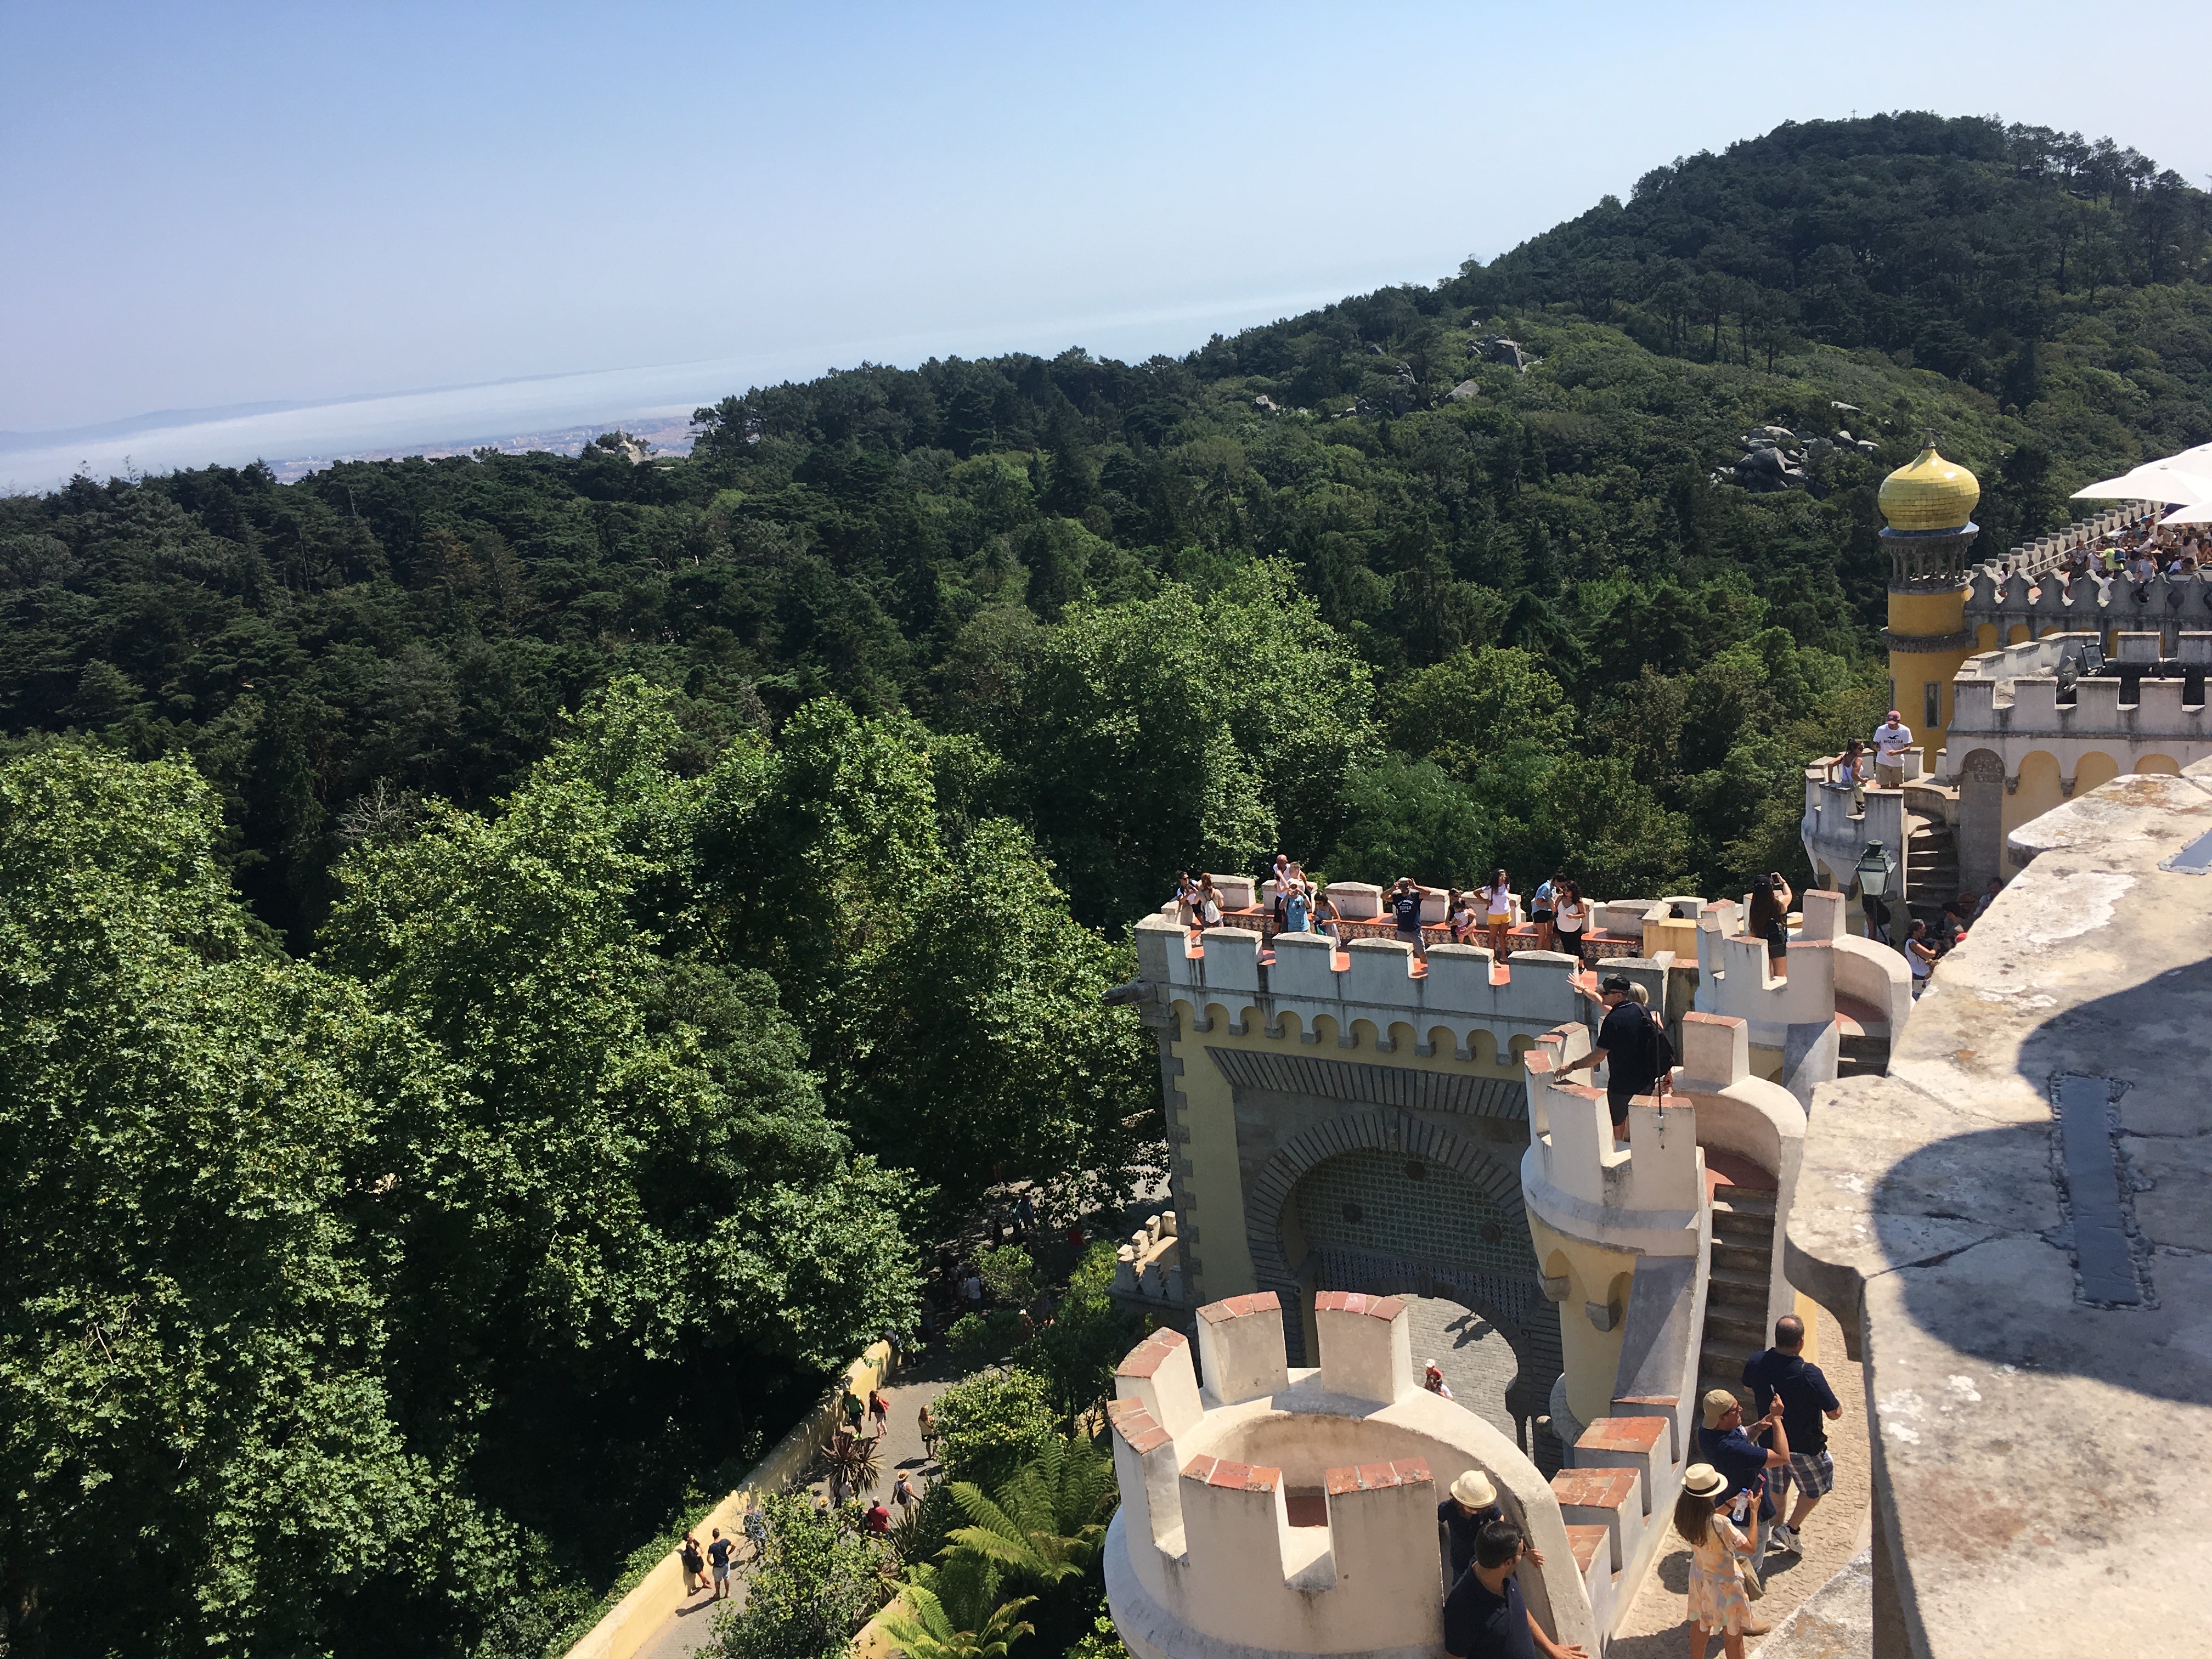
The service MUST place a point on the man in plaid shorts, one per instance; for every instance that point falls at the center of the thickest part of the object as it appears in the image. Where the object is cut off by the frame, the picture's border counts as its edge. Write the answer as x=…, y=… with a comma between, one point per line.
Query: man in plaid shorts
x=1808, y=1406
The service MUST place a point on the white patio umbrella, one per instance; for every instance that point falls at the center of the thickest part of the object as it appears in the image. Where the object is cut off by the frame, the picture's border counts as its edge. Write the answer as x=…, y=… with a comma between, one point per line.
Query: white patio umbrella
x=2168, y=480
x=2201, y=514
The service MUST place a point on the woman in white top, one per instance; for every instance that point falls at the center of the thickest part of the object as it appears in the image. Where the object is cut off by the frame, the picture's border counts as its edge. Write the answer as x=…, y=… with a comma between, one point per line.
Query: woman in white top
x=1570, y=918
x=1498, y=911
x=1921, y=955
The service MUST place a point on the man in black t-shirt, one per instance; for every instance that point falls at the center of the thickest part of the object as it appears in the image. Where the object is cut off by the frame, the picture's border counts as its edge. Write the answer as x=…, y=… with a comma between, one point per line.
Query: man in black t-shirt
x=718, y=1557
x=1485, y=1617
x=1404, y=903
x=1808, y=1406
x=1627, y=1047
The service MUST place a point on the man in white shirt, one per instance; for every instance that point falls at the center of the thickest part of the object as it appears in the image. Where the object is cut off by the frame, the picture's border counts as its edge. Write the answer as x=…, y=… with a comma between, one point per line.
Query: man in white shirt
x=1891, y=740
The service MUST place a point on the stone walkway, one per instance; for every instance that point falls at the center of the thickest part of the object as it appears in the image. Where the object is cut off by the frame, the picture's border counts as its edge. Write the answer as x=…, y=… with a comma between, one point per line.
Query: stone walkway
x=1656, y=1627
x=1478, y=1363
x=689, y=1629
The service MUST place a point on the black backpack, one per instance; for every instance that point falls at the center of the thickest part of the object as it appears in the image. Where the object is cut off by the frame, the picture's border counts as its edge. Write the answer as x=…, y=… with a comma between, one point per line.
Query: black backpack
x=1663, y=1057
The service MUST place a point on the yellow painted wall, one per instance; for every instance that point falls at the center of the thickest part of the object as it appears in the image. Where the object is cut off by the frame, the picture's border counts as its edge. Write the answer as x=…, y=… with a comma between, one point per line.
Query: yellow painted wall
x=1214, y=1188
x=2152, y=763
x=1809, y=1311
x=1928, y=613
x=1929, y=616
x=1591, y=1356
x=2092, y=769
x=1675, y=934
x=2039, y=790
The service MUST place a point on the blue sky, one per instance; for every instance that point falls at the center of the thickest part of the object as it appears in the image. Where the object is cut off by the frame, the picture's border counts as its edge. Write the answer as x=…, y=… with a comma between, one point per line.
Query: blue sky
x=211, y=205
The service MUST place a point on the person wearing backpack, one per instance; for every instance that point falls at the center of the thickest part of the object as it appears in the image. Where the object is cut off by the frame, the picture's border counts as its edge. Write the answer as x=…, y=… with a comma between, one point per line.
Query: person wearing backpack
x=1631, y=1043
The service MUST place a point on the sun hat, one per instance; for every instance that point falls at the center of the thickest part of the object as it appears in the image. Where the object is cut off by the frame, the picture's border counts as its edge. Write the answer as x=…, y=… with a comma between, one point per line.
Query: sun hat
x=1718, y=1403
x=1614, y=982
x=1703, y=1480
x=1475, y=1490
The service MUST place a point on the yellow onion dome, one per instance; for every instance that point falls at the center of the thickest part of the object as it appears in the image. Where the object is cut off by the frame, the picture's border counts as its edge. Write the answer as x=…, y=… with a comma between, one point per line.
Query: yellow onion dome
x=1930, y=493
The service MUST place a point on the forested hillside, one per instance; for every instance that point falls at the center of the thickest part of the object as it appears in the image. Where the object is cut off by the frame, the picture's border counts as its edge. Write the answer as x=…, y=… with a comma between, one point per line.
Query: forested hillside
x=606, y=916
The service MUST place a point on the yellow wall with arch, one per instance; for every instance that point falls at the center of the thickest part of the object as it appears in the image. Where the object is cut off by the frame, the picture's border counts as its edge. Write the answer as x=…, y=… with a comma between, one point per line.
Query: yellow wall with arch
x=2092, y=769
x=2039, y=791
x=1214, y=1187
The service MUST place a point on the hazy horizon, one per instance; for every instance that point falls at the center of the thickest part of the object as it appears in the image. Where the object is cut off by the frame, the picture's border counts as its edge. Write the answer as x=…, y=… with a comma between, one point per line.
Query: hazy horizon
x=360, y=227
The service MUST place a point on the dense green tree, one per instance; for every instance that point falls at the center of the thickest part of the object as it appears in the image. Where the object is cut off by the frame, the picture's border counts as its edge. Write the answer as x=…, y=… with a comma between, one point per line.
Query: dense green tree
x=646, y=1163
x=992, y=1423
x=952, y=1007
x=1195, y=729
x=199, y=1442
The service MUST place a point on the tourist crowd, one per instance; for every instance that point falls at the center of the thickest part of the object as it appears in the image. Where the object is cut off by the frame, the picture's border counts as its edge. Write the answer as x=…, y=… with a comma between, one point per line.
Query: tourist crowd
x=1558, y=915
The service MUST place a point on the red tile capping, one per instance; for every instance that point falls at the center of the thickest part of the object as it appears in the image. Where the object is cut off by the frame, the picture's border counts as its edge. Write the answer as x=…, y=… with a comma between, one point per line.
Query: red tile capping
x=1377, y=1477
x=1232, y=1476
x=1145, y=1359
x=1594, y=1489
x=1637, y=1434
x=1376, y=1307
x=1241, y=1307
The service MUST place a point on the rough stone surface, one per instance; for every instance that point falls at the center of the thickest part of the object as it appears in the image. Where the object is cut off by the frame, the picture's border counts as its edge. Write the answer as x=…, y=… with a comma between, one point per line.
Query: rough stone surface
x=1836, y=1622
x=2034, y=1450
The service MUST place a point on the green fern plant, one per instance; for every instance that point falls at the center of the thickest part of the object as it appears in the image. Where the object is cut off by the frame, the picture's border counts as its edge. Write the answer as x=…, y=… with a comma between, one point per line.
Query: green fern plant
x=938, y=1606
x=1048, y=1522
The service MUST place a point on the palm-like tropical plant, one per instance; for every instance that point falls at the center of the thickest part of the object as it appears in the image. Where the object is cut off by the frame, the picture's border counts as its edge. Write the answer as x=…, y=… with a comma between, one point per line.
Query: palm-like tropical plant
x=1047, y=1522
x=950, y=1613
x=855, y=1457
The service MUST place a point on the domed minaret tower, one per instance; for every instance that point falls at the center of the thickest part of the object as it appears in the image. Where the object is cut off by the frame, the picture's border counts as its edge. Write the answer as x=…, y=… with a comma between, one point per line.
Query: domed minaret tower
x=1930, y=506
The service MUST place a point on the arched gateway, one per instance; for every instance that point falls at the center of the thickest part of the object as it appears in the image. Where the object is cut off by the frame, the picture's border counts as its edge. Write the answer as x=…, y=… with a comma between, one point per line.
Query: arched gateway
x=1389, y=1201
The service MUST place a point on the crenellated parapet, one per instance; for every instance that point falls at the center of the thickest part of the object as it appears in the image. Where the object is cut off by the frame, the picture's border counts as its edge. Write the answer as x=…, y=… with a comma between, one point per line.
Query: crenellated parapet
x=1791, y=1017
x=2092, y=603
x=1377, y=993
x=1642, y=1197
x=1292, y=1510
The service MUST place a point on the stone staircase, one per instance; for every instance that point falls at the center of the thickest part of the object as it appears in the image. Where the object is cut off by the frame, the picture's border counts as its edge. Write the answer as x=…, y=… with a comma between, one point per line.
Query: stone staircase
x=1931, y=867
x=1736, y=1287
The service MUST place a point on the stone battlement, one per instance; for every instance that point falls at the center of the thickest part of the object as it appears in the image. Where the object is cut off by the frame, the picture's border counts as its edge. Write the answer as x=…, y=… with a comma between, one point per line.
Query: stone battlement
x=2093, y=603
x=1436, y=1007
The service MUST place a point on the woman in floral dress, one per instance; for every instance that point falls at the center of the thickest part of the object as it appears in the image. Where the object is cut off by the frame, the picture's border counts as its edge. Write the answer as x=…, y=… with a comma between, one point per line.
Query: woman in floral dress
x=1718, y=1605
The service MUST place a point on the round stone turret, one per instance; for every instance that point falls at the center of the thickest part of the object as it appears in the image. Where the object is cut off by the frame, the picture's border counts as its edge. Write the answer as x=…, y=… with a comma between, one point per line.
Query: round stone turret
x=1284, y=1512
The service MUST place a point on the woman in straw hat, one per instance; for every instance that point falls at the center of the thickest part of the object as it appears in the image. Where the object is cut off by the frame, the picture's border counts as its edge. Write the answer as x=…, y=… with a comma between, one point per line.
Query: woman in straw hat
x=1718, y=1605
